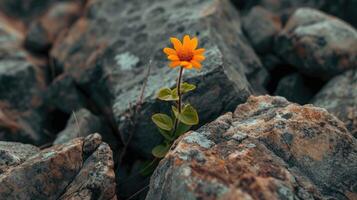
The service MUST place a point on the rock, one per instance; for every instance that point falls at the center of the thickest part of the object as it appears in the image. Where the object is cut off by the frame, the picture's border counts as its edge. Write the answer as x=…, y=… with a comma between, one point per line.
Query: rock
x=64, y=95
x=344, y=9
x=268, y=149
x=339, y=96
x=261, y=27
x=318, y=44
x=13, y=154
x=43, y=31
x=20, y=81
x=21, y=87
x=25, y=127
x=63, y=172
x=81, y=124
x=110, y=48
x=295, y=89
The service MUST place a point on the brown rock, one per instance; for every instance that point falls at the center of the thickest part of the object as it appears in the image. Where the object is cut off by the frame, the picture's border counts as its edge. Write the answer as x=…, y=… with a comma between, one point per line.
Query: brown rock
x=261, y=27
x=268, y=149
x=81, y=168
x=317, y=44
x=339, y=97
x=57, y=19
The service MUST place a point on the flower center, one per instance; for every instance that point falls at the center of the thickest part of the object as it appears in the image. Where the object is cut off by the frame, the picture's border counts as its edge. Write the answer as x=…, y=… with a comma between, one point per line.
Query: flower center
x=185, y=55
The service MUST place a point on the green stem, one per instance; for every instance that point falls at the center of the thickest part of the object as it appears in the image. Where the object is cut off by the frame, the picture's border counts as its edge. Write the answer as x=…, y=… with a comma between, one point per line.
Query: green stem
x=179, y=96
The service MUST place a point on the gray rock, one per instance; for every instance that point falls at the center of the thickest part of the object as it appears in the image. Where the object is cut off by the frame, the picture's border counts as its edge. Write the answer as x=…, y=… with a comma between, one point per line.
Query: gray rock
x=111, y=47
x=63, y=172
x=318, y=44
x=21, y=84
x=63, y=94
x=294, y=88
x=14, y=153
x=344, y=9
x=285, y=151
x=81, y=124
x=261, y=27
x=57, y=18
x=339, y=96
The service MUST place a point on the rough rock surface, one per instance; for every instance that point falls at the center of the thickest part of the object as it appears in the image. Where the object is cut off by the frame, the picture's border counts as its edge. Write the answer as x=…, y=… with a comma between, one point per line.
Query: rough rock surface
x=344, y=9
x=81, y=124
x=79, y=169
x=318, y=44
x=294, y=88
x=21, y=85
x=339, y=97
x=261, y=27
x=62, y=94
x=43, y=31
x=111, y=48
x=13, y=154
x=268, y=149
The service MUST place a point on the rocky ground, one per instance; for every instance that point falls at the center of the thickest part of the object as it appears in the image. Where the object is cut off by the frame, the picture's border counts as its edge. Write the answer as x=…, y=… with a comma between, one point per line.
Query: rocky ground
x=277, y=99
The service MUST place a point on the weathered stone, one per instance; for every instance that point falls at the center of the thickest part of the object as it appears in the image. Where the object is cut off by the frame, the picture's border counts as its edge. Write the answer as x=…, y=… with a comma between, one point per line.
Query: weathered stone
x=64, y=95
x=111, y=48
x=294, y=88
x=318, y=44
x=13, y=154
x=339, y=96
x=81, y=124
x=62, y=172
x=261, y=27
x=344, y=9
x=268, y=149
x=43, y=31
x=21, y=84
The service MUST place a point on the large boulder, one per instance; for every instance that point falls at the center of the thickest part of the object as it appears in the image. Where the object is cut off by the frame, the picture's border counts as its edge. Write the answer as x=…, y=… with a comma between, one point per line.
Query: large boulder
x=317, y=44
x=42, y=32
x=339, y=96
x=79, y=169
x=268, y=148
x=344, y=9
x=21, y=85
x=261, y=26
x=114, y=44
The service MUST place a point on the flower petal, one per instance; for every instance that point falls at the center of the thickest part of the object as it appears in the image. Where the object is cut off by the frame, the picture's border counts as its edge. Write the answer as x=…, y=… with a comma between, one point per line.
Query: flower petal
x=173, y=57
x=189, y=66
x=198, y=58
x=175, y=64
x=196, y=64
x=169, y=51
x=184, y=63
x=194, y=43
x=186, y=42
x=177, y=43
x=199, y=51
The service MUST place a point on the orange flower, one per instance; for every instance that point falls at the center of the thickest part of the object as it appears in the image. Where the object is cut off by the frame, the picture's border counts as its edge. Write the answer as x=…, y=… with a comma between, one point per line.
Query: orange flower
x=185, y=54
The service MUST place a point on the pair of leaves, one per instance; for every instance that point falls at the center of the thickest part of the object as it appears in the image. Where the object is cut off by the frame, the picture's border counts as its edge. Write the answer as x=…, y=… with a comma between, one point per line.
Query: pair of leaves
x=160, y=150
x=187, y=116
x=166, y=94
x=166, y=124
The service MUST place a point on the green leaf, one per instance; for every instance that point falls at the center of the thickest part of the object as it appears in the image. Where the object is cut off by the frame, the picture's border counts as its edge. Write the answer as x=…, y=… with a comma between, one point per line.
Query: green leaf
x=165, y=94
x=166, y=134
x=175, y=111
x=160, y=150
x=188, y=115
x=162, y=121
x=174, y=94
x=181, y=129
x=186, y=87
